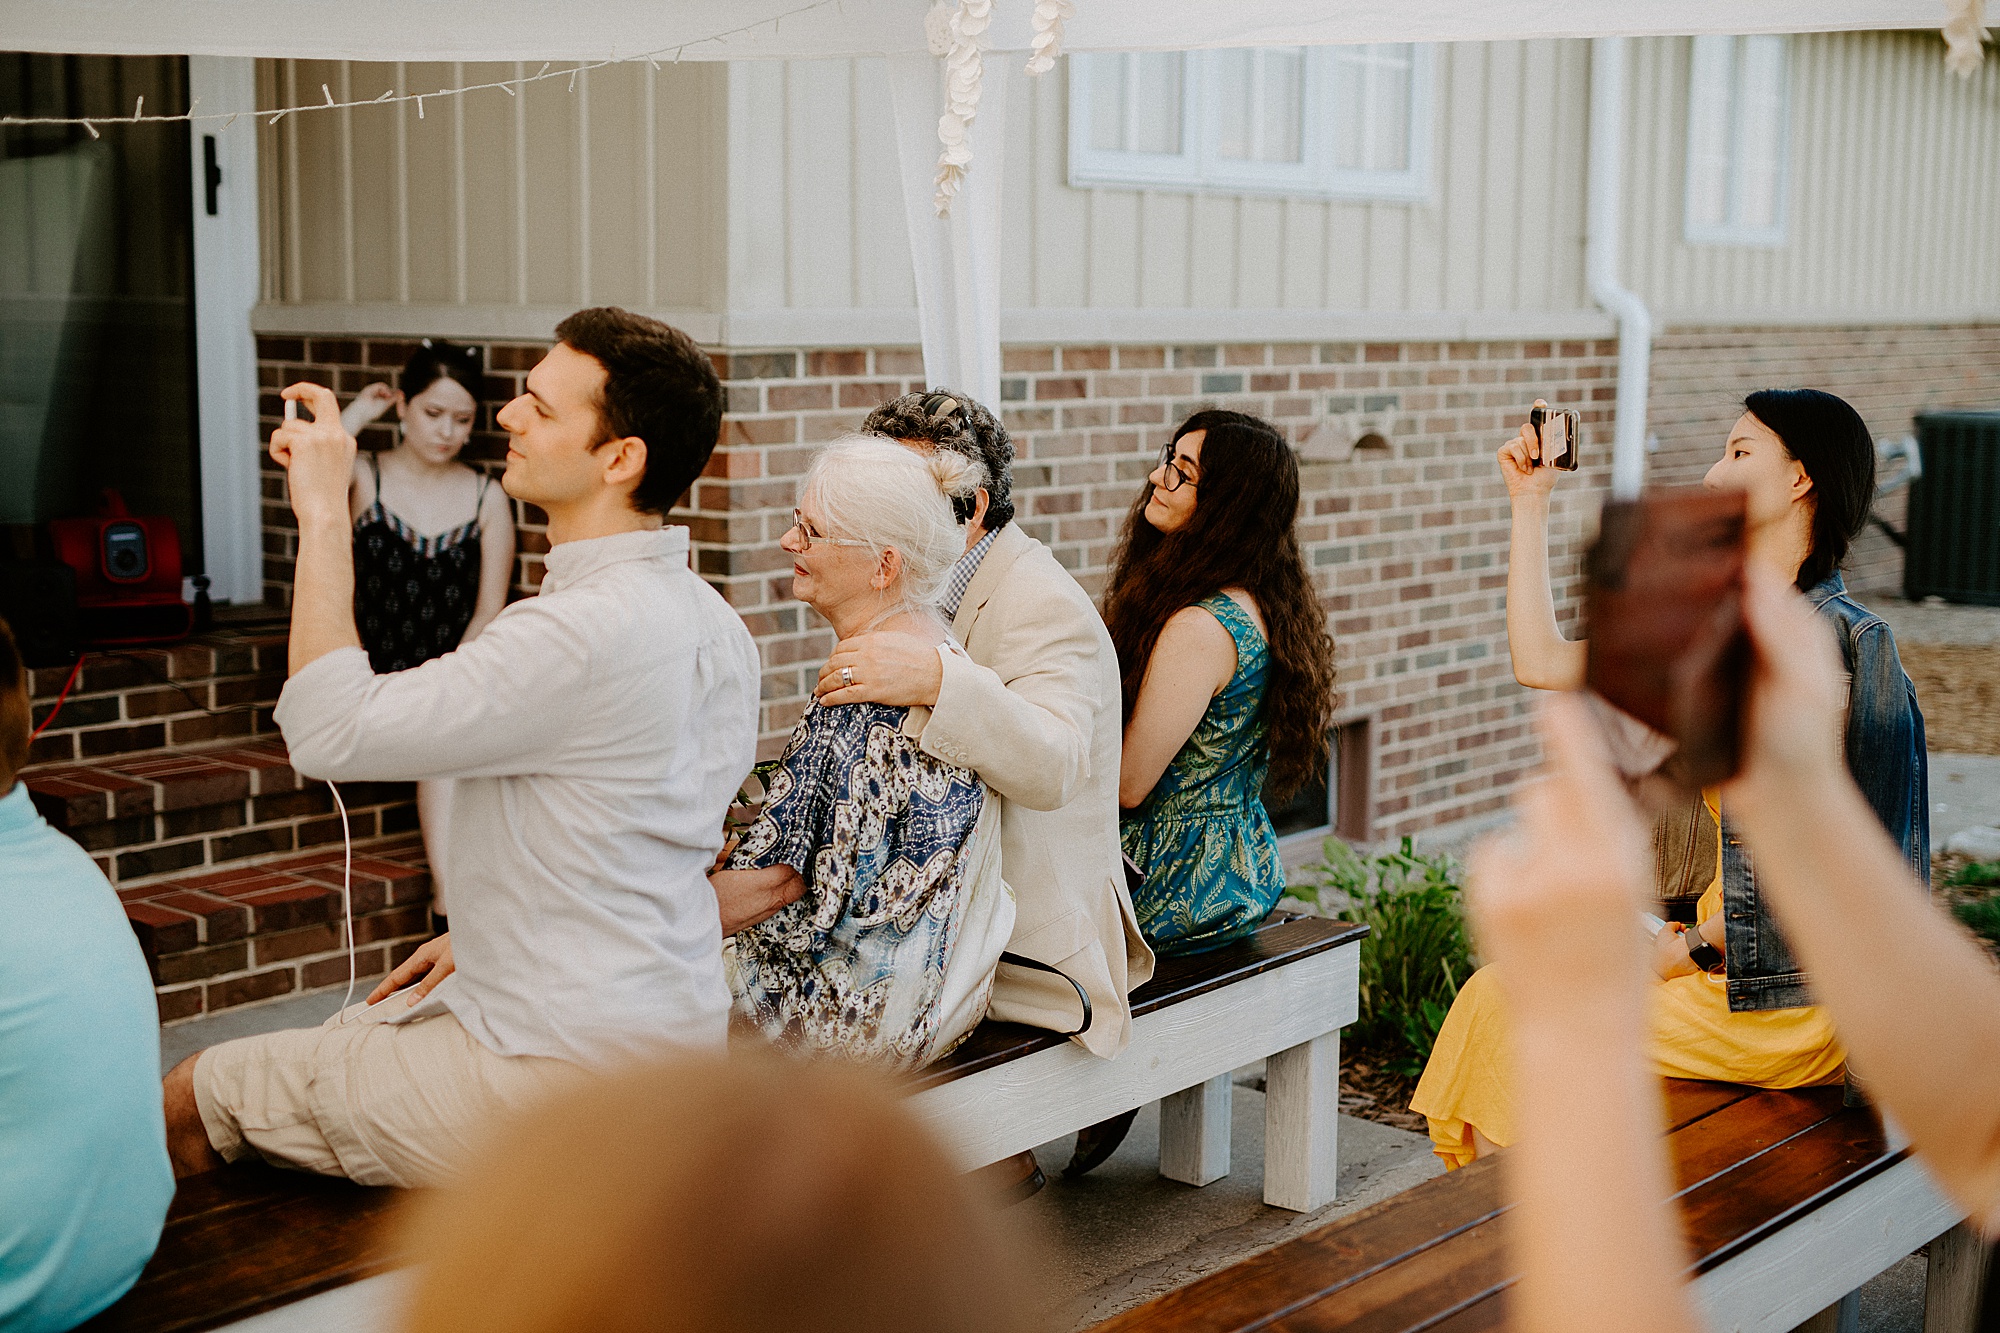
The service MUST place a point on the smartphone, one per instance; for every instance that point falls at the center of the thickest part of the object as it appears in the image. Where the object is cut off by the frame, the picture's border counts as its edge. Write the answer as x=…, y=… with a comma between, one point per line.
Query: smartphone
x=1557, y=428
x=1664, y=603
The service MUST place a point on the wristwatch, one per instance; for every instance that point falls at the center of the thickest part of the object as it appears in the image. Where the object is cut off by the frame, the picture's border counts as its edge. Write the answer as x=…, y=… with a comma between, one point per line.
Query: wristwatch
x=1701, y=953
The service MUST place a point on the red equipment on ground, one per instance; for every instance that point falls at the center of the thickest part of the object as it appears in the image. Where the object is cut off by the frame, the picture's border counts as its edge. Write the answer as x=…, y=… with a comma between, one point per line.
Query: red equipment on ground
x=128, y=574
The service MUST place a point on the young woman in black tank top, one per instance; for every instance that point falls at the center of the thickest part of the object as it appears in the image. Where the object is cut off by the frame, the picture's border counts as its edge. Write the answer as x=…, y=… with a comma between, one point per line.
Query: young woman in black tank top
x=433, y=538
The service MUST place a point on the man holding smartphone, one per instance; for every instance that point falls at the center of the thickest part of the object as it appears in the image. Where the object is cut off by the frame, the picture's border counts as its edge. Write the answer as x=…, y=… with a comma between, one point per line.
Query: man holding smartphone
x=596, y=732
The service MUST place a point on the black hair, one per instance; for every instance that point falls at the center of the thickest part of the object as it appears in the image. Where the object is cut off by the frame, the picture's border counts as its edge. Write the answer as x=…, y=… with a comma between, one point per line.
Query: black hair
x=16, y=717
x=440, y=360
x=948, y=419
x=659, y=386
x=1831, y=441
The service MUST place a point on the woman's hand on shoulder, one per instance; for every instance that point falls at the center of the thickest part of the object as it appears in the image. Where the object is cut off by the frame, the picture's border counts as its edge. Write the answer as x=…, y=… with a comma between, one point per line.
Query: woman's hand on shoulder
x=1518, y=468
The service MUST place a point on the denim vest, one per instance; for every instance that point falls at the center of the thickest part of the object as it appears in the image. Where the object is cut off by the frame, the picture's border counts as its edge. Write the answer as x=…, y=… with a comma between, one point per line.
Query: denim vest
x=1885, y=753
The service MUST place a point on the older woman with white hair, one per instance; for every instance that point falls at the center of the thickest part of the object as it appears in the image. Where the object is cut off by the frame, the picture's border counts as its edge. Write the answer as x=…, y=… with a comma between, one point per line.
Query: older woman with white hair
x=866, y=900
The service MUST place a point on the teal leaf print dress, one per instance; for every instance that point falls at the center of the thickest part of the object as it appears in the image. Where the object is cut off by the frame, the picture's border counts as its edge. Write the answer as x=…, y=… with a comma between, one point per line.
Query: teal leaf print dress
x=1203, y=839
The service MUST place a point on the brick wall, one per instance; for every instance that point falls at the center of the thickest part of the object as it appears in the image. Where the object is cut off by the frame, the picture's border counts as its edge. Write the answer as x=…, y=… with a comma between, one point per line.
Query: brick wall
x=1406, y=535
x=1700, y=377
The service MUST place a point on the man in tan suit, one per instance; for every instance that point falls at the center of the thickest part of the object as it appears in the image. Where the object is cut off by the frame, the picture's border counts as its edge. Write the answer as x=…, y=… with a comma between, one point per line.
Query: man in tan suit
x=1036, y=713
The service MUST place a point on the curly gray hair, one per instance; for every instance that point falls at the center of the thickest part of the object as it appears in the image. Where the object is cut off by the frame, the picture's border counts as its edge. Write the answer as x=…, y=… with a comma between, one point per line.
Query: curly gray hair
x=947, y=419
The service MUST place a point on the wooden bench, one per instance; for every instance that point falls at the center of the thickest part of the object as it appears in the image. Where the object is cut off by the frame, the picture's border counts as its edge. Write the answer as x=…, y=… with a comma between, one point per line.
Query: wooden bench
x=246, y=1240
x=1282, y=995
x=252, y=1238
x=1790, y=1203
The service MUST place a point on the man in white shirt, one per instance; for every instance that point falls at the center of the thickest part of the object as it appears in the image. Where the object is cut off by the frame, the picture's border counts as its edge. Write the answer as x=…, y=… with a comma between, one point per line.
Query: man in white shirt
x=596, y=734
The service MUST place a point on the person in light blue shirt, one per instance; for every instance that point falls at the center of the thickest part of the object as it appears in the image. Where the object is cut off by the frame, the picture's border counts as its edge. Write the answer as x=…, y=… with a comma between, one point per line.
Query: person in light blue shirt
x=84, y=1176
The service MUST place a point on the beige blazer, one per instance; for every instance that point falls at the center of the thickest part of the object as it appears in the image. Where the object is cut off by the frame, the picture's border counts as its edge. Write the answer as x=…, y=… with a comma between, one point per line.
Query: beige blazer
x=1035, y=711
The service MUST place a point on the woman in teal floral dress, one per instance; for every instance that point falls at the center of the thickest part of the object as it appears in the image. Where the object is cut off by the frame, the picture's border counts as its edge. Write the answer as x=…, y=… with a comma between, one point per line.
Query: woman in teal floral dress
x=1228, y=683
x=1228, y=675
x=1202, y=836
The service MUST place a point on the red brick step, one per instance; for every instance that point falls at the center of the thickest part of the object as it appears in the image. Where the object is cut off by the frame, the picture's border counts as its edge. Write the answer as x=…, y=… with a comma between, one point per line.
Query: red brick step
x=167, y=812
x=236, y=936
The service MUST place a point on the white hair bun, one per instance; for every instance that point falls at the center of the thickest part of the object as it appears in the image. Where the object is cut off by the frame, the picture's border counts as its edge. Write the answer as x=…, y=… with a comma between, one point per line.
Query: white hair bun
x=957, y=476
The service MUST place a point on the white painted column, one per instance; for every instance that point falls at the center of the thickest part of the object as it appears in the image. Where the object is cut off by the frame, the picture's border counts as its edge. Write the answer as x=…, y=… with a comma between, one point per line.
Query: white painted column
x=226, y=282
x=956, y=258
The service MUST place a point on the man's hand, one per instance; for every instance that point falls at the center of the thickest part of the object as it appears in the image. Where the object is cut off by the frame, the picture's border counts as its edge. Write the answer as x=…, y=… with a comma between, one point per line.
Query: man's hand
x=317, y=455
x=745, y=897
x=887, y=668
x=432, y=962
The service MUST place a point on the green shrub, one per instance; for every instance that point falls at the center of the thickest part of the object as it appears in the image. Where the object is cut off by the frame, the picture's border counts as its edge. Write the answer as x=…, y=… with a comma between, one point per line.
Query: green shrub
x=1975, y=875
x=1417, y=951
x=1982, y=917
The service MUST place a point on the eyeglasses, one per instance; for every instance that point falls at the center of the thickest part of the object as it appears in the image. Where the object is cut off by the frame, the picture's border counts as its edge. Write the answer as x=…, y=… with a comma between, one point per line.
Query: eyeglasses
x=807, y=536
x=1176, y=478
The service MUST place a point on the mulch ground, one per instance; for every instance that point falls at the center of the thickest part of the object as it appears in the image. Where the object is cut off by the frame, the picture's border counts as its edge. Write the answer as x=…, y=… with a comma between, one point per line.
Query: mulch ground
x=1373, y=1093
x=1958, y=687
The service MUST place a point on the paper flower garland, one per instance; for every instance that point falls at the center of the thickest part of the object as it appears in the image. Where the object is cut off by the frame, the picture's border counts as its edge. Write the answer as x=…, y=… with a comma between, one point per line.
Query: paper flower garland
x=959, y=36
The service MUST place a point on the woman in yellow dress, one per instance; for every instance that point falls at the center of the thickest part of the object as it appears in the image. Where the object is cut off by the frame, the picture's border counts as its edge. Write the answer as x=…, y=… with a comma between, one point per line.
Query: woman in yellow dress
x=1731, y=1005
x=1466, y=1095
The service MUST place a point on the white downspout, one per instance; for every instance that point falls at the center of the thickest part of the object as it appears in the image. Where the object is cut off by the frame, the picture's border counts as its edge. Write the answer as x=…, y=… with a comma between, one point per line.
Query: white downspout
x=1600, y=263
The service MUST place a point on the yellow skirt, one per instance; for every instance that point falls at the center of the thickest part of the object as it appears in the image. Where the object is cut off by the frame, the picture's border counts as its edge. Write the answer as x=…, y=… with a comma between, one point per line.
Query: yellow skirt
x=1691, y=1034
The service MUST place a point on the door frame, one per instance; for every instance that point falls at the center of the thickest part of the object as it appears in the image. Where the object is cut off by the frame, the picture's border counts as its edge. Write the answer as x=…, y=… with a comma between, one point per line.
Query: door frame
x=227, y=280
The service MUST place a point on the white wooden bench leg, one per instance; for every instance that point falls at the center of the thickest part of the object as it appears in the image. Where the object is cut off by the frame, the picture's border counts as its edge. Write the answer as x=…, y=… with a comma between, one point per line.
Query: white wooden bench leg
x=1956, y=1278
x=1843, y=1316
x=1194, y=1132
x=1302, y=1124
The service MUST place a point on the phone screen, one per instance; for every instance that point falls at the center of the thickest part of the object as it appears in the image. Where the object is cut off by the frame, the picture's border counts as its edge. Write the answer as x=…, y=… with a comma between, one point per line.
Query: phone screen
x=1664, y=604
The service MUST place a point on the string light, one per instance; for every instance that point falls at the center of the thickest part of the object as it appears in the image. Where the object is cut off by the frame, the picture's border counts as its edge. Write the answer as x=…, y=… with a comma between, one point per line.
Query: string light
x=508, y=86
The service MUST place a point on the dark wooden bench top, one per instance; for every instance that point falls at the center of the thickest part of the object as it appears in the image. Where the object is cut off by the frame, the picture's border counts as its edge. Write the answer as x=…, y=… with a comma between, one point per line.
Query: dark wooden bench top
x=1280, y=939
x=1746, y=1163
x=250, y=1238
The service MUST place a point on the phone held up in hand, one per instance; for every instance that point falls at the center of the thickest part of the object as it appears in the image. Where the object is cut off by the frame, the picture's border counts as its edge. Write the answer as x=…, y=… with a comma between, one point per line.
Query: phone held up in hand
x=1664, y=600
x=1558, y=430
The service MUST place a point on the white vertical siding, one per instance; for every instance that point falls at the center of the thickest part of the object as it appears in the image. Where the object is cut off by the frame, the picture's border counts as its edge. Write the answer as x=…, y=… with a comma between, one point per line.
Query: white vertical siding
x=768, y=187
x=552, y=198
x=1893, y=189
x=1501, y=231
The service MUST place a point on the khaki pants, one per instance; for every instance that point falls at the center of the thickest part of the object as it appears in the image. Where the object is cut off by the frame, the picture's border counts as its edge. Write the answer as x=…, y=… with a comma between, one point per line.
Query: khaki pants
x=381, y=1104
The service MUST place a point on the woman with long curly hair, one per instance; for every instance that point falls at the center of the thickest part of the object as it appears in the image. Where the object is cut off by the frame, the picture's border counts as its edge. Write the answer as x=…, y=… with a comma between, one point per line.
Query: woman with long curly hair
x=1228, y=678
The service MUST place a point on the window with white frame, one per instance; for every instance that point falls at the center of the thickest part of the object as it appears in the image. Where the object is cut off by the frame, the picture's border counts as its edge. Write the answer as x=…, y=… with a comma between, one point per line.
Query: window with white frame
x=1335, y=122
x=1738, y=114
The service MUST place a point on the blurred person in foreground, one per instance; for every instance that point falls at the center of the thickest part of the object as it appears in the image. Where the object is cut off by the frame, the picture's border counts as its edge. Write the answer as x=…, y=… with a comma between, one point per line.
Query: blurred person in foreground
x=758, y=1195
x=84, y=1177
x=1596, y=1238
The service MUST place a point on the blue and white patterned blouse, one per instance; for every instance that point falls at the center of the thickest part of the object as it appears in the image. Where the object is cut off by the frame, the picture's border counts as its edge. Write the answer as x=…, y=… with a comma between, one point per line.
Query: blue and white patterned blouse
x=879, y=831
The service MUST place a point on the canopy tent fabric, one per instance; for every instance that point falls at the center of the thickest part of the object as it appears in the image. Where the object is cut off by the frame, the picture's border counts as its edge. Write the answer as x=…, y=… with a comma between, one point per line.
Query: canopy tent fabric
x=535, y=31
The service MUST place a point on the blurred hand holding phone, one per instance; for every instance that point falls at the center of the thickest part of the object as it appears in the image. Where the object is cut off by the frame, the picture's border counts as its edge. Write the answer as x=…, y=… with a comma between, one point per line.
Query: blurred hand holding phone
x=1667, y=643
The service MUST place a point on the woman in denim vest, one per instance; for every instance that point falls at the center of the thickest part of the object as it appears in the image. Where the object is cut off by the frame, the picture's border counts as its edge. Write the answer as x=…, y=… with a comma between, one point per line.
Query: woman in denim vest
x=1733, y=1004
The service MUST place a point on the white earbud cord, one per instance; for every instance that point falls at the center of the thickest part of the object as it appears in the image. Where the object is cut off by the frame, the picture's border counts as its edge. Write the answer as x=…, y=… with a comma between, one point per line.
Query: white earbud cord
x=346, y=895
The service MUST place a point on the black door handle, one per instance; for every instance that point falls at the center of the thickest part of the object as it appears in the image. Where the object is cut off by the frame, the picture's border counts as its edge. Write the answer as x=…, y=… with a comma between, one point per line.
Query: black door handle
x=211, y=173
